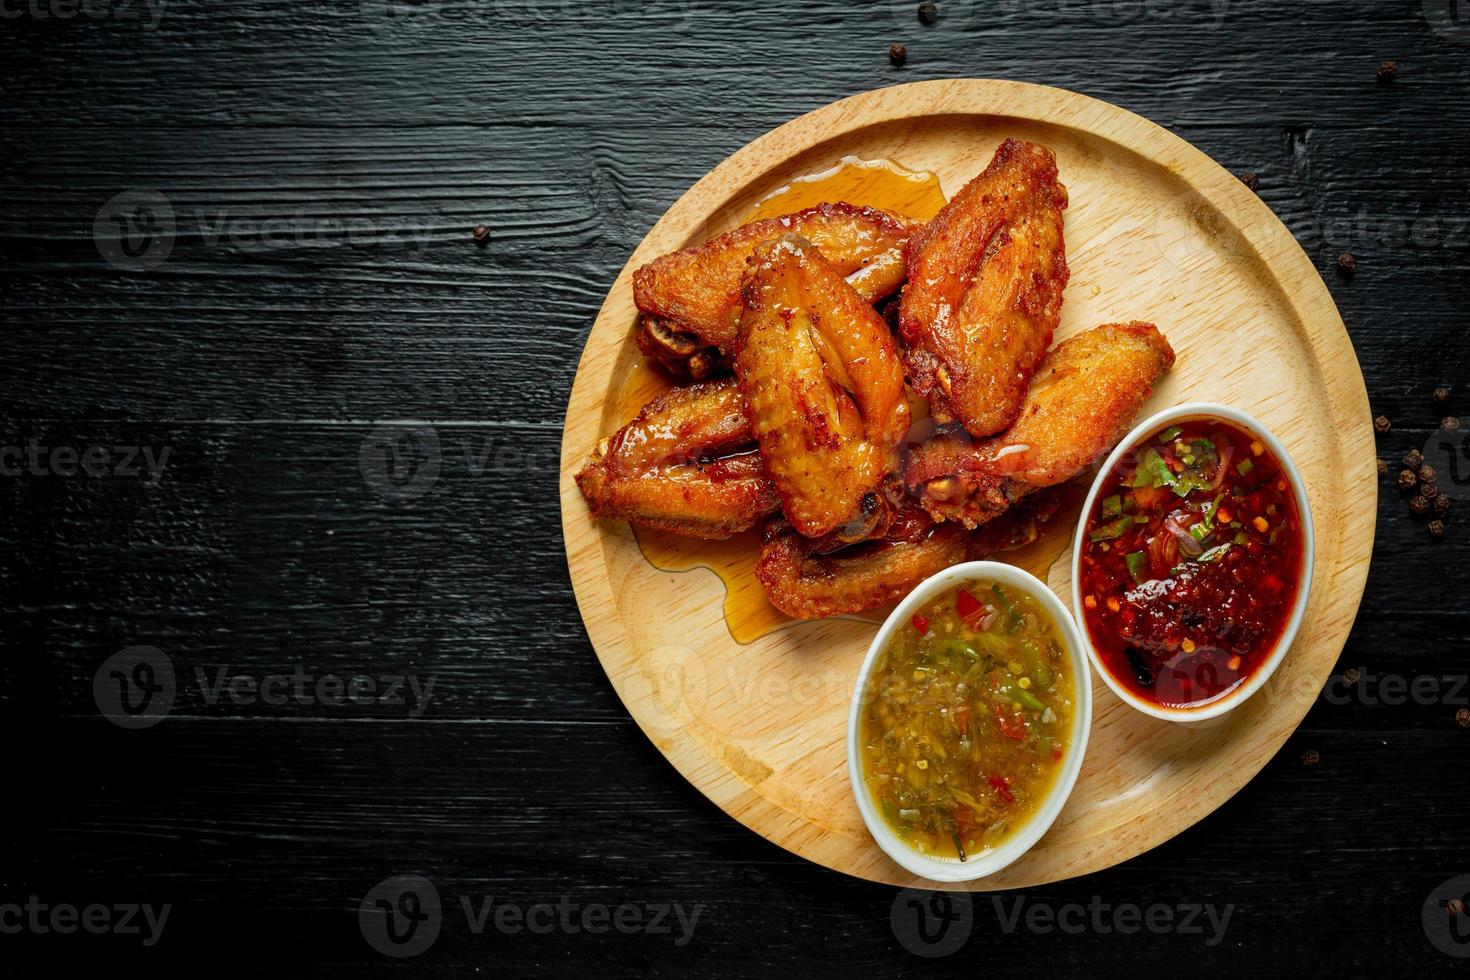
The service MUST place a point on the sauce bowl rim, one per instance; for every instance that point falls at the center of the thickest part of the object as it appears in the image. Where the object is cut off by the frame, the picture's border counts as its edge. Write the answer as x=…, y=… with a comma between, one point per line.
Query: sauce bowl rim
x=1269, y=666
x=1034, y=828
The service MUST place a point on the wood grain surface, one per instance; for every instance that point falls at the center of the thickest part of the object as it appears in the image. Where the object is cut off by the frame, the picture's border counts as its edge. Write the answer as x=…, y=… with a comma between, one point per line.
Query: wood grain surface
x=569, y=128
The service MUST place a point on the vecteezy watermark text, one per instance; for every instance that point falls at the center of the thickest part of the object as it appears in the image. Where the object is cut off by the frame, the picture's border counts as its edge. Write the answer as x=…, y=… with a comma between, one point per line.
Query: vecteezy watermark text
x=36, y=459
x=137, y=688
x=402, y=916
x=40, y=918
x=150, y=12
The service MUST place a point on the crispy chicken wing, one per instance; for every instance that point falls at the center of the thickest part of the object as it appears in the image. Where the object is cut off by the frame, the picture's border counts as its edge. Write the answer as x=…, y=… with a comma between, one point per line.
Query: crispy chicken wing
x=685, y=464
x=1081, y=402
x=803, y=580
x=820, y=371
x=689, y=297
x=985, y=290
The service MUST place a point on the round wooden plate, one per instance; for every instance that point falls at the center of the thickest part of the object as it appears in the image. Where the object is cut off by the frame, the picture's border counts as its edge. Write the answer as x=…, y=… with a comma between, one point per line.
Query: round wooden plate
x=1157, y=231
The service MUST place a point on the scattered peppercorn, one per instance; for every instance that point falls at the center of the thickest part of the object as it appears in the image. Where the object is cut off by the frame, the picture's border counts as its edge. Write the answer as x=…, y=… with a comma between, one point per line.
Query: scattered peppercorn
x=1388, y=71
x=1462, y=717
x=1407, y=480
x=1455, y=906
x=1419, y=505
x=1347, y=263
x=1425, y=473
x=1382, y=424
x=1441, y=396
x=1450, y=423
x=1250, y=179
x=1351, y=676
x=898, y=54
x=928, y=13
x=1311, y=757
x=1382, y=468
x=1413, y=459
x=481, y=233
x=1436, y=529
x=1441, y=505
x=1430, y=491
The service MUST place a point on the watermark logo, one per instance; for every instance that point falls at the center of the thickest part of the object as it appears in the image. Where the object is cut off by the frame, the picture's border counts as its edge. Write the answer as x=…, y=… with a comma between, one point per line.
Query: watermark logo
x=40, y=918
x=134, y=688
x=931, y=924
x=134, y=230
x=148, y=11
x=401, y=915
x=94, y=461
x=1450, y=19
x=400, y=462
x=1446, y=917
x=1448, y=451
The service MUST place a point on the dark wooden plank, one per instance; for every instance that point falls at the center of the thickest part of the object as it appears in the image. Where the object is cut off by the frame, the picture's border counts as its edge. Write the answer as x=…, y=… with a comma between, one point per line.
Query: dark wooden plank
x=326, y=163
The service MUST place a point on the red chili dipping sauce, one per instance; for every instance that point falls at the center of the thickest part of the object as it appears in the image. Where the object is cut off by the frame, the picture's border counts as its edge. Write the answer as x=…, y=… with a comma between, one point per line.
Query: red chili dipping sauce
x=1191, y=563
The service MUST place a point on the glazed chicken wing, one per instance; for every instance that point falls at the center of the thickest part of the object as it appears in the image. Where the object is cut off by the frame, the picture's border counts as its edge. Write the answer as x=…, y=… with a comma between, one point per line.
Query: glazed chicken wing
x=820, y=371
x=685, y=464
x=803, y=580
x=689, y=297
x=985, y=290
x=1081, y=402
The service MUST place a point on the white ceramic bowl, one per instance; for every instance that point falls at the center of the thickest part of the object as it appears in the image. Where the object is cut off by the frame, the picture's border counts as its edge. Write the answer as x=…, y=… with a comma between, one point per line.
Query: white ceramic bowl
x=1179, y=413
x=1030, y=832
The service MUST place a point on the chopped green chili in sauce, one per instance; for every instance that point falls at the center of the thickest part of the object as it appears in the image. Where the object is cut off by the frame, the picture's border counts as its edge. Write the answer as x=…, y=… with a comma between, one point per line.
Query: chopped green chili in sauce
x=967, y=719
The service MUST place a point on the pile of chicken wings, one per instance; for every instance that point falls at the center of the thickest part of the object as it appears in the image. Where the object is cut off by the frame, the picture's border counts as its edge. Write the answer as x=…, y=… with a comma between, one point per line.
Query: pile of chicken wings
x=793, y=340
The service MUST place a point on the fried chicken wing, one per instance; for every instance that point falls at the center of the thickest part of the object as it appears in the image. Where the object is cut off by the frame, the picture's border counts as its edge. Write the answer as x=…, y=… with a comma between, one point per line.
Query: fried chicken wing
x=686, y=464
x=821, y=374
x=1081, y=402
x=985, y=290
x=804, y=581
x=689, y=297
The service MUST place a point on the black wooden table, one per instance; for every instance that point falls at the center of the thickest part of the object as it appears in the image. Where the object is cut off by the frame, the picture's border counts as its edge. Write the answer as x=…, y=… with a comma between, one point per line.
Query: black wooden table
x=275, y=428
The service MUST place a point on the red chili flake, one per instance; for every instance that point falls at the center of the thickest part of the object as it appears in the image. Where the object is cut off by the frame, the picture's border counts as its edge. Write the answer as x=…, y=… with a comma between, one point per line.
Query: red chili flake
x=1002, y=788
x=921, y=624
x=967, y=605
x=1008, y=727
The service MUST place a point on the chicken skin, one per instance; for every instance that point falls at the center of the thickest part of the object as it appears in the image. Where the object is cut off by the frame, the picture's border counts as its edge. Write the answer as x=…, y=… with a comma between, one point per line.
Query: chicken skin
x=985, y=290
x=1082, y=401
x=686, y=464
x=821, y=374
x=689, y=298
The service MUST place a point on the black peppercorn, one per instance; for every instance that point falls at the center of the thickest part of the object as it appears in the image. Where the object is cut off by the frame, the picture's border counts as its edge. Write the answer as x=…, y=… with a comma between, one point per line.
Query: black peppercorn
x=1430, y=491
x=1250, y=179
x=898, y=54
x=1351, y=676
x=1455, y=906
x=1388, y=71
x=1347, y=263
x=1382, y=468
x=1462, y=717
x=1311, y=757
x=1450, y=423
x=1441, y=396
x=1382, y=424
x=1407, y=480
x=1441, y=505
x=1425, y=473
x=481, y=233
x=1419, y=505
x=928, y=13
x=1413, y=459
x=1436, y=529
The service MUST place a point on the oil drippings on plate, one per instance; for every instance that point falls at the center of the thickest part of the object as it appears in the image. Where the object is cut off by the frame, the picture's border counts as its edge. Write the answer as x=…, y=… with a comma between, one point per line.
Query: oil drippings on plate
x=881, y=184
